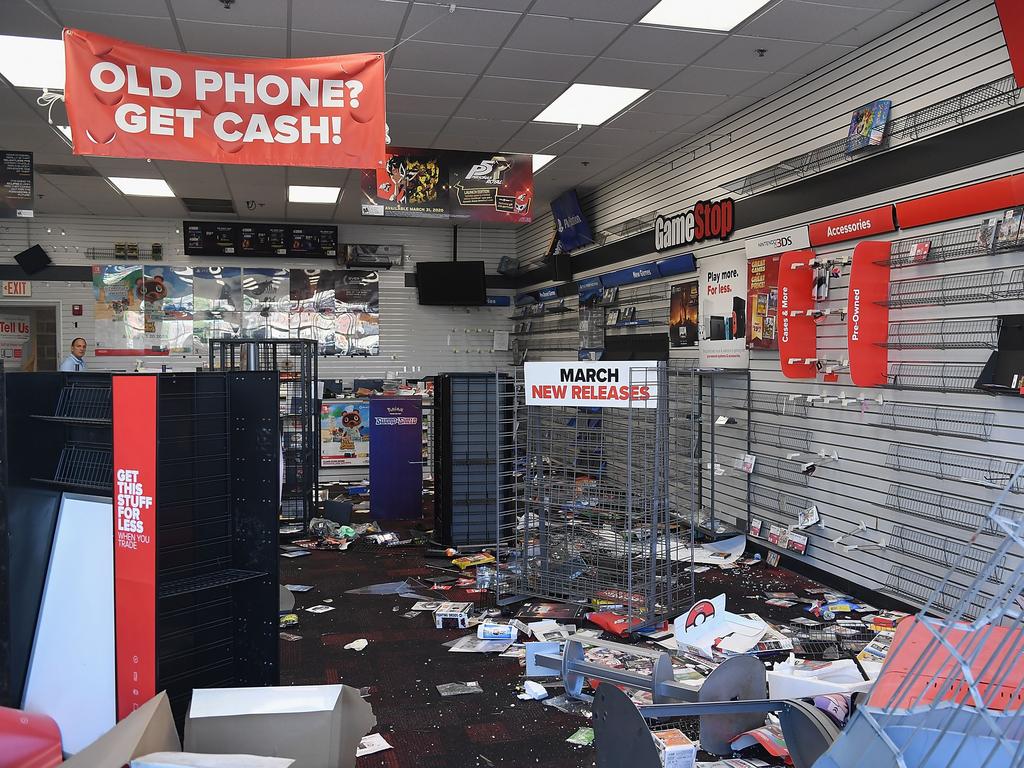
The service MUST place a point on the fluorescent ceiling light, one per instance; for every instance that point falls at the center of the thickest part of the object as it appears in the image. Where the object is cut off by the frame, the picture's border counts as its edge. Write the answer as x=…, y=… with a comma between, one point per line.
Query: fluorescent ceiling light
x=300, y=194
x=539, y=161
x=719, y=15
x=142, y=187
x=32, y=62
x=589, y=104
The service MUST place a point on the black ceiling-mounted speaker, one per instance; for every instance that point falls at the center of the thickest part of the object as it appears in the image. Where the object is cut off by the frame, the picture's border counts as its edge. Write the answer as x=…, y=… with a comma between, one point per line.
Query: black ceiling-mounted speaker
x=562, y=263
x=33, y=260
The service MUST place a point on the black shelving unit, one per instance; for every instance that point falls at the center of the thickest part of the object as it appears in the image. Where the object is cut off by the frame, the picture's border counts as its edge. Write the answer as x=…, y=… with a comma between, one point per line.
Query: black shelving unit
x=296, y=362
x=470, y=432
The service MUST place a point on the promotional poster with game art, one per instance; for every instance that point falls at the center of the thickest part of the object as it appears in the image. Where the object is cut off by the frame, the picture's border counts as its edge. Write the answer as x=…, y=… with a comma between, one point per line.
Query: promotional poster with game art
x=413, y=184
x=345, y=433
x=684, y=317
x=120, y=322
x=762, y=302
x=491, y=187
x=167, y=306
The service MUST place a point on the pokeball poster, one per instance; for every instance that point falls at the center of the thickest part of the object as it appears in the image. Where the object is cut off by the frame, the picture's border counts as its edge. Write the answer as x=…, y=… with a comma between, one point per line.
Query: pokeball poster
x=493, y=187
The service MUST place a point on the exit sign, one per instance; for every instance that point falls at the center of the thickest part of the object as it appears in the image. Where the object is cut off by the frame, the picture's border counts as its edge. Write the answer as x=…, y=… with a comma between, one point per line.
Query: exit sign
x=17, y=288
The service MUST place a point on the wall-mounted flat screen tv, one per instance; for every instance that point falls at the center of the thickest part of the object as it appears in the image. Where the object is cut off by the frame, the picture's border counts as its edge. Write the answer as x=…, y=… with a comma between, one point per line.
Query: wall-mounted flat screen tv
x=451, y=283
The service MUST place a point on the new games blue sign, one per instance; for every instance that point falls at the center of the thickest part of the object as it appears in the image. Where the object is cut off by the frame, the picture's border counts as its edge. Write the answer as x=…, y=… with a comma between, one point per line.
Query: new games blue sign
x=573, y=228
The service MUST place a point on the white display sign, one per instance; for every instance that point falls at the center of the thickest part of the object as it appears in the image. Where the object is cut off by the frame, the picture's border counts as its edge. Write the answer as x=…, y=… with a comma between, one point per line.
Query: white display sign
x=15, y=340
x=722, y=282
x=777, y=242
x=591, y=384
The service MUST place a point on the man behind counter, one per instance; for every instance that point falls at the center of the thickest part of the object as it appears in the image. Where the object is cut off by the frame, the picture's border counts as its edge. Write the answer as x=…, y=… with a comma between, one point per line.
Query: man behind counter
x=76, y=360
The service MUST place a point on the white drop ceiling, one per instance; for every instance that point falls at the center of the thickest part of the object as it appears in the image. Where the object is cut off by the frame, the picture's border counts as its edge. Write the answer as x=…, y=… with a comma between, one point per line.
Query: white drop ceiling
x=472, y=78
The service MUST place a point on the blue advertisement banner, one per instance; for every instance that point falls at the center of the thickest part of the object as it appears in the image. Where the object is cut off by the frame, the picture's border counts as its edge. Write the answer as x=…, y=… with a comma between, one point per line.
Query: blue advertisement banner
x=499, y=301
x=396, y=457
x=677, y=265
x=637, y=274
x=589, y=289
x=573, y=228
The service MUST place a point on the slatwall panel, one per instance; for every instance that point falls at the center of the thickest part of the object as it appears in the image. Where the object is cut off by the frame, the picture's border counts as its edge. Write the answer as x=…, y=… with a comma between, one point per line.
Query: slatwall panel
x=887, y=476
x=415, y=340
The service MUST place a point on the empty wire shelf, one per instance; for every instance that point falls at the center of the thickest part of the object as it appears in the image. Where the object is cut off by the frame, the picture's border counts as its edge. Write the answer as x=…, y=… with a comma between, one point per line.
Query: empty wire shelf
x=947, y=465
x=778, y=403
x=944, y=334
x=938, y=377
x=977, y=287
x=961, y=556
x=961, y=422
x=773, y=500
x=227, y=577
x=942, y=507
x=790, y=438
x=775, y=468
x=83, y=465
x=915, y=587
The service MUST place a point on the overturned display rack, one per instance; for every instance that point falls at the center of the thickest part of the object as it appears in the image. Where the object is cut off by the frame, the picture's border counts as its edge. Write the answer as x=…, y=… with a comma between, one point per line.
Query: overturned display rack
x=600, y=503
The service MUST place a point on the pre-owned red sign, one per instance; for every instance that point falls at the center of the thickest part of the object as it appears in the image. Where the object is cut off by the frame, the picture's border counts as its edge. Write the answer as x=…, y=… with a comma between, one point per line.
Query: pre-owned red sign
x=854, y=226
x=867, y=314
x=134, y=408
x=127, y=100
x=798, y=333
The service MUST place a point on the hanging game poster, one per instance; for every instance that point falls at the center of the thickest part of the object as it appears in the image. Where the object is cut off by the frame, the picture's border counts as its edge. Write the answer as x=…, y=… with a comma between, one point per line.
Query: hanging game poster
x=684, y=318
x=491, y=187
x=339, y=309
x=762, y=302
x=345, y=433
x=723, y=313
x=413, y=184
x=120, y=320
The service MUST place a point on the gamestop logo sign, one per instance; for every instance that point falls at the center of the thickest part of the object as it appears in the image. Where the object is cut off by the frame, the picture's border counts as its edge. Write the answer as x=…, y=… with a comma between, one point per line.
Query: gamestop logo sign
x=777, y=242
x=704, y=221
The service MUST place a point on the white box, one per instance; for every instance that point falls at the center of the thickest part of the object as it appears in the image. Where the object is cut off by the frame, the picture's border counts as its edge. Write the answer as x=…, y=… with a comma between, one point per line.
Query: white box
x=842, y=676
x=674, y=749
x=452, y=615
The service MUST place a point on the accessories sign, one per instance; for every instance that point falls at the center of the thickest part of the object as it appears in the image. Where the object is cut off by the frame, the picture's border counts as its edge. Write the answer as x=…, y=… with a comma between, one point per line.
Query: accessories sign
x=593, y=384
x=127, y=100
x=855, y=226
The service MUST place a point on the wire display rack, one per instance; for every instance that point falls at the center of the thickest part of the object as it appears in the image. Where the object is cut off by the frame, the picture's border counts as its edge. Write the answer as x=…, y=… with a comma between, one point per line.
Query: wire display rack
x=829, y=642
x=773, y=500
x=973, y=288
x=84, y=465
x=935, y=377
x=940, y=550
x=948, y=465
x=295, y=360
x=778, y=436
x=775, y=468
x=951, y=245
x=958, y=512
x=606, y=501
x=917, y=588
x=944, y=334
x=778, y=403
x=936, y=420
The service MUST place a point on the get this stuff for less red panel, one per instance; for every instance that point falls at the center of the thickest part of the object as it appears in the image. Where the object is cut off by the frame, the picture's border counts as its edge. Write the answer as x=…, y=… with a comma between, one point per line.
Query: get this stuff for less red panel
x=134, y=470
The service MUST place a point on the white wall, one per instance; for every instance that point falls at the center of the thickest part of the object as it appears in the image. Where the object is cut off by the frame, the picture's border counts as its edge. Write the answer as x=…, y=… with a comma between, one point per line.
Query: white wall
x=945, y=52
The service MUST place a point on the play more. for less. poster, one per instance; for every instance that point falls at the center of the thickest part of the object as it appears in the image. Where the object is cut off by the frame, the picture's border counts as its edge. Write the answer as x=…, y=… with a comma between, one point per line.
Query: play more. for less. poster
x=722, y=281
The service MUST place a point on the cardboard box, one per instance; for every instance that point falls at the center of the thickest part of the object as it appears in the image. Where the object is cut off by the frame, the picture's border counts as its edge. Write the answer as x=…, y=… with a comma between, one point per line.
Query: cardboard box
x=318, y=726
x=452, y=615
x=193, y=760
x=148, y=729
x=674, y=749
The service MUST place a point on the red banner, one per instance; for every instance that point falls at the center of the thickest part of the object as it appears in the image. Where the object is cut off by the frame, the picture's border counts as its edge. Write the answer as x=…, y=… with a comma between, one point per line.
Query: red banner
x=856, y=225
x=985, y=196
x=867, y=315
x=1012, y=21
x=126, y=100
x=134, y=408
x=798, y=333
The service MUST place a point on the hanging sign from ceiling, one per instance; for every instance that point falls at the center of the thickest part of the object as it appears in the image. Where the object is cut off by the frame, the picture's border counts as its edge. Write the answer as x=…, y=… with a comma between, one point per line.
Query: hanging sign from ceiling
x=127, y=100
x=707, y=219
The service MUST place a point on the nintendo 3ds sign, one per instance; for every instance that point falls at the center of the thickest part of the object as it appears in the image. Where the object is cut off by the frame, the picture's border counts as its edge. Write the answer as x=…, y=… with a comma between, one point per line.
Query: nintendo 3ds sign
x=593, y=384
x=707, y=219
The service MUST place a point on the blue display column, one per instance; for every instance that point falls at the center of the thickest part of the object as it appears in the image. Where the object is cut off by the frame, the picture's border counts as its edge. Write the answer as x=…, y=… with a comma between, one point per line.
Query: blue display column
x=396, y=458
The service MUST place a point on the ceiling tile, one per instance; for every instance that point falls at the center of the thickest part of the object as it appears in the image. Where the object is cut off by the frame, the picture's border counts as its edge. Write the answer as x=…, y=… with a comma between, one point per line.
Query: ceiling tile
x=733, y=105
x=16, y=107
x=772, y=84
x=714, y=80
x=156, y=32
x=668, y=46
x=138, y=8
x=51, y=198
x=555, y=35
x=411, y=81
x=423, y=105
x=97, y=195
x=256, y=14
x=548, y=137
x=740, y=52
x=159, y=207
x=628, y=74
x=465, y=26
x=310, y=212
x=318, y=177
x=441, y=57
x=818, y=58
x=672, y=103
x=515, y=89
x=795, y=20
x=325, y=44
x=601, y=10
x=537, y=66
x=24, y=20
x=352, y=17
x=638, y=120
x=916, y=6
x=415, y=123
x=874, y=28
x=496, y=132
x=403, y=138
x=499, y=110
x=502, y=5
x=234, y=39
x=194, y=179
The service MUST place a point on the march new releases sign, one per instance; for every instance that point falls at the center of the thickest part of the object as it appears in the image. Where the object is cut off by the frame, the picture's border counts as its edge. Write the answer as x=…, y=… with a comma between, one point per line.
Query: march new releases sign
x=127, y=100
x=593, y=384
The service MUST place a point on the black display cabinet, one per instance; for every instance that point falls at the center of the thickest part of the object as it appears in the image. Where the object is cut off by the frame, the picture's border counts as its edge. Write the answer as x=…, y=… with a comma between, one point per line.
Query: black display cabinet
x=472, y=431
x=296, y=362
x=191, y=463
